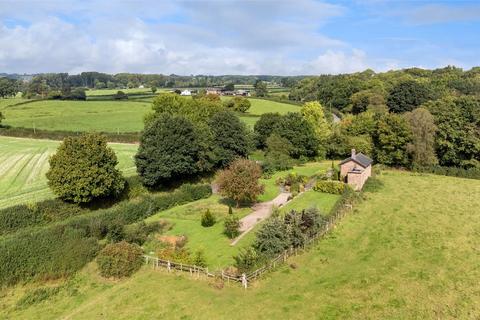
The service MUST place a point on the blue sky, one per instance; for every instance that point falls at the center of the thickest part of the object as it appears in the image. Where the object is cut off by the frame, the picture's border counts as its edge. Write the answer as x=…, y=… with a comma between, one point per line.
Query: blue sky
x=236, y=37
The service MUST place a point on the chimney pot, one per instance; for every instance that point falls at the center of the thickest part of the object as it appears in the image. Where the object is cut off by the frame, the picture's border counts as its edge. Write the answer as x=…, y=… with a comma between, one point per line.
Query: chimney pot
x=353, y=153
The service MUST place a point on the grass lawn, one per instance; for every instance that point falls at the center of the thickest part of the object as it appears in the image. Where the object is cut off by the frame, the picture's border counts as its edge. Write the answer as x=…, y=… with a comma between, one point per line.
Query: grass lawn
x=216, y=246
x=24, y=163
x=107, y=116
x=322, y=201
x=410, y=251
x=308, y=169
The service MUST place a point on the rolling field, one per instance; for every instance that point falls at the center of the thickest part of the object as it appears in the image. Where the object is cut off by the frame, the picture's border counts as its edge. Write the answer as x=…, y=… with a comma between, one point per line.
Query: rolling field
x=410, y=251
x=104, y=116
x=24, y=162
x=107, y=116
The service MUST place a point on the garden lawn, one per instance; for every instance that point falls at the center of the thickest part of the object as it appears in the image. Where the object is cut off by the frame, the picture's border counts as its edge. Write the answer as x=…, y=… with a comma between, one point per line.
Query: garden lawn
x=216, y=246
x=24, y=163
x=100, y=116
x=409, y=251
x=312, y=199
x=308, y=169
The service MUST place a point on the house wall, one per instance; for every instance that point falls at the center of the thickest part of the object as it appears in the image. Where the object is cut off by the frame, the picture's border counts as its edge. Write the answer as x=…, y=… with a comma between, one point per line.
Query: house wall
x=357, y=180
x=346, y=167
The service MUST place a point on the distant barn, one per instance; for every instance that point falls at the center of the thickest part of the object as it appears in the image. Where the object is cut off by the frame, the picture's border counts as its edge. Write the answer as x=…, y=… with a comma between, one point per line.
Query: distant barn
x=356, y=170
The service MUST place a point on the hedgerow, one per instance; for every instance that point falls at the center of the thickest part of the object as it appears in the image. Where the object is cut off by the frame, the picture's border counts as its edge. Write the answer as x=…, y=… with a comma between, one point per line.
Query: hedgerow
x=61, y=249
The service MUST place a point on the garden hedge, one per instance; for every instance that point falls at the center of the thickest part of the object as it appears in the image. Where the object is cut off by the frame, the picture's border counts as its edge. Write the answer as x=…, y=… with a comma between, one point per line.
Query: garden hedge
x=330, y=186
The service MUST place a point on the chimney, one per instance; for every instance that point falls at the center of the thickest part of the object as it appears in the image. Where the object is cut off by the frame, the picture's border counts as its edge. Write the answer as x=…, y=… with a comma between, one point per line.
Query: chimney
x=354, y=154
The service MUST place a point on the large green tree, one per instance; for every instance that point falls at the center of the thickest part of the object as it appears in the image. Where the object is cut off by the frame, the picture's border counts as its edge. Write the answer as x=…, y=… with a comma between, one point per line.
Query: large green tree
x=264, y=127
x=170, y=149
x=83, y=168
x=407, y=95
x=391, y=137
x=457, y=140
x=230, y=137
x=260, y=88
x=422, y=147
x=300, y=133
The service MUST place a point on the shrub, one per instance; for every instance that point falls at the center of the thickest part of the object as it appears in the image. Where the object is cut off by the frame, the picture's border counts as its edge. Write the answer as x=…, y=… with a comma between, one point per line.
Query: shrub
x=328, y=186
x=247, y=259
x=83, y=168
x=138, y=233
x=199, y=259
x=115, y=231
x=208, y=219
x=120, y=95
x=232, y=226
x=119, y=260
x=272, y=238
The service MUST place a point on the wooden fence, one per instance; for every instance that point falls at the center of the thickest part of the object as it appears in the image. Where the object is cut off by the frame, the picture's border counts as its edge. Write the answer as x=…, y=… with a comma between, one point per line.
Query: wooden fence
x=244, y=279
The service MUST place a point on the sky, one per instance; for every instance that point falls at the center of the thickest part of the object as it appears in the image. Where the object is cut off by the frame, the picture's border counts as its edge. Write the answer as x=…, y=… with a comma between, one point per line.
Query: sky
x=295, y=37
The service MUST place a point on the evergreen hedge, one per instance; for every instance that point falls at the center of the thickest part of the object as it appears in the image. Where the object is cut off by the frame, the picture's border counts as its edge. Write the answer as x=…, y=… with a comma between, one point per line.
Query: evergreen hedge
x=471, y=173
x=330, y=186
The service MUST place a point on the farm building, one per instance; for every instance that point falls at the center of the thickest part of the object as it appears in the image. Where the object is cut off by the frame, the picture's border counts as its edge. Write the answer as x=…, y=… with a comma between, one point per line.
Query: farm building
x=186, y=93
x=356, y=170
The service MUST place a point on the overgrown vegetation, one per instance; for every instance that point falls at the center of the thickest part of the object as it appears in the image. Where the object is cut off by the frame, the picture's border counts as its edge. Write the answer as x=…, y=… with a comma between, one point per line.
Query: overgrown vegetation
x=119, y=260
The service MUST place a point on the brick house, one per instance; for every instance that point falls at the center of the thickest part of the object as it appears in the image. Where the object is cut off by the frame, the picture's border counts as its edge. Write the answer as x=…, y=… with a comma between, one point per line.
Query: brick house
x=356, y=170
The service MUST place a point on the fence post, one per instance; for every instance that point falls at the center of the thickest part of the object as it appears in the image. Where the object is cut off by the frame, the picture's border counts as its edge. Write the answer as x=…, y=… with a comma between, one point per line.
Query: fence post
x=244, y=281
x=168, y=266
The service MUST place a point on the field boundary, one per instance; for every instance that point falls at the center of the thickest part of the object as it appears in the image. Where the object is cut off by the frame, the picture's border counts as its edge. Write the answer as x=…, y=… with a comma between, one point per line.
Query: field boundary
x=344, y=206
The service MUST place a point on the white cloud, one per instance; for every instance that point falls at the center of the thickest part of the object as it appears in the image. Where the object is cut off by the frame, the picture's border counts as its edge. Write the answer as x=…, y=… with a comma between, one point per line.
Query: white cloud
x=216, y=37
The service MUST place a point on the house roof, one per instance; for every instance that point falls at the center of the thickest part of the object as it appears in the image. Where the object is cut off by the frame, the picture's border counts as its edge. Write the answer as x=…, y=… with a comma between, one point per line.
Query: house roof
x=359, y=158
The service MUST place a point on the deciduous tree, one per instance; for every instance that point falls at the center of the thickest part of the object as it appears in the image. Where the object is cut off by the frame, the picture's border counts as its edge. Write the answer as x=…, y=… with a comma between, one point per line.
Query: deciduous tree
x=83, y=168
x=240, y=181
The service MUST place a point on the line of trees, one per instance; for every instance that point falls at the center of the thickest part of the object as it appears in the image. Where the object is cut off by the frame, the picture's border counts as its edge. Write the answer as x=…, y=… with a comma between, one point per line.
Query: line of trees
x=410, y=117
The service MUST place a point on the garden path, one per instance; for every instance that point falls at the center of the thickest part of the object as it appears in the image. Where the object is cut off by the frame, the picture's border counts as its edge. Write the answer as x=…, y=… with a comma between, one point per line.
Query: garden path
x=261, y=211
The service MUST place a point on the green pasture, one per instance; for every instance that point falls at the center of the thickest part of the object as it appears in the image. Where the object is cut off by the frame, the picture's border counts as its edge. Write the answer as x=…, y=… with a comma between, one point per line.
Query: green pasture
x=104, y=115
x=24, y=163
x=408, y=251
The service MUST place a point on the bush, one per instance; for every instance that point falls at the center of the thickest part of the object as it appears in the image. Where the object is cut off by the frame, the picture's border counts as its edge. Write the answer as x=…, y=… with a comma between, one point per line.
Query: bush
x=119, y=260
x=272, y=238
x=199, y=259
x=208, y=219
x=120, y=95
x=247, y=259
x=232, y=226
x=138, y=233
x=116, y=231
x=333, y=187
